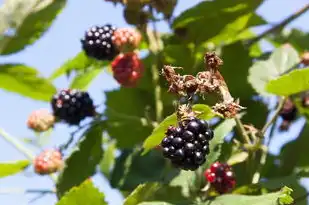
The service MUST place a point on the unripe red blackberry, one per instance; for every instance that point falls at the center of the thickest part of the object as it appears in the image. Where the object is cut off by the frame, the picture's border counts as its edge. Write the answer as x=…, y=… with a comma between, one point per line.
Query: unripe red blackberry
x=40, y=120
x=47, y=162
x=98, y=42
x=72, y=106
x=221, y=177
x=288, y=111
x=126, y=39
x=188, y=144
x=127, y=69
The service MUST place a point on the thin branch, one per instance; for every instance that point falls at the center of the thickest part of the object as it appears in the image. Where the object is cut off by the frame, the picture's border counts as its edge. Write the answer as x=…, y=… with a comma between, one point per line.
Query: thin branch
x=27, y=191
x=155, y=47
x=280, y=25
x=274, y=117
x=242, y=130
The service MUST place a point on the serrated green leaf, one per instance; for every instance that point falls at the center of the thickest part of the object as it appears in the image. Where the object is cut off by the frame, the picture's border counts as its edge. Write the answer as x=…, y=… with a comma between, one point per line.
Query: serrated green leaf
x=141, y=193
x=29, y=20
x=85, y=193
x=83, y=80
x=226, y=18
x=108, y=160
x=294, y=82
x=215, y=144
x=261, y=72
x=159, y=132
x=25, y=81
x=82, y=162
x=285, y=197
x=276, y=198
x=11, y=168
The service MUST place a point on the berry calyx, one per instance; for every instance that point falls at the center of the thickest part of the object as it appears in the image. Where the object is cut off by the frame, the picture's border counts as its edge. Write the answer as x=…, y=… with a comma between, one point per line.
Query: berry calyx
x=98, y=42
x=126, y=39
x=47, y=162
x=40, y=120
x=221, y=177
x=127, y=69
x=188, y=144
x=72, y=106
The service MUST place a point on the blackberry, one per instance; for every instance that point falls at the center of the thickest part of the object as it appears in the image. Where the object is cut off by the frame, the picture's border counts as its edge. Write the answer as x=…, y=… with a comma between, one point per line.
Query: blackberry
x=289, y=110
x=40, y=120
x=98, y=42
x=72, y=106
x=221, y=177
x=126, y=39
x=188, y=144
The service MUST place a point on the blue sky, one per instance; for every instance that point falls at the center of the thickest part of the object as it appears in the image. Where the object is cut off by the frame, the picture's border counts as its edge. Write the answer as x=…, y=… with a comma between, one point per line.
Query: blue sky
x=55, y=47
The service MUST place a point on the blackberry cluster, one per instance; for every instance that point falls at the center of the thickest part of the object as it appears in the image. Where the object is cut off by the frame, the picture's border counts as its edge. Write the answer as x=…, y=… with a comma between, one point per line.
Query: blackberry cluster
x=221, y=177
x=72, y=106
x=188, y=144
x=98, y=42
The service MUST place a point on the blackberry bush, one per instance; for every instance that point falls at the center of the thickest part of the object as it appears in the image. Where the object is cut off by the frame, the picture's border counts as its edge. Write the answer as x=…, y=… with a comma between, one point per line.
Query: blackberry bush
x=48, y=161
x=98, y=42
x=72, y=106
x=188, y=144
x=221, y=177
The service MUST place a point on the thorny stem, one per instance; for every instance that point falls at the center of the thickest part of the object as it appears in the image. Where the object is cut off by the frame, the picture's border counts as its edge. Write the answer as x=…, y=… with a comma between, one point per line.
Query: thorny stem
x=155, y=47
x=257, y=174
x=21, y=148
x=280, y=25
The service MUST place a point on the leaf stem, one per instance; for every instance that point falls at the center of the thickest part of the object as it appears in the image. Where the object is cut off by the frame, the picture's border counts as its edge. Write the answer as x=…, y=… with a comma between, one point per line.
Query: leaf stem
x=21, y=148
x=280, y=25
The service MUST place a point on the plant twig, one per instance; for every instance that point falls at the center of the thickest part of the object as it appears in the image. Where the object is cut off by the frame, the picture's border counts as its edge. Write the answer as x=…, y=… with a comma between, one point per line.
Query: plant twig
x=280, y=25
x=26, y=191
x=242, y=130
x=155, y=47
x=274, y=117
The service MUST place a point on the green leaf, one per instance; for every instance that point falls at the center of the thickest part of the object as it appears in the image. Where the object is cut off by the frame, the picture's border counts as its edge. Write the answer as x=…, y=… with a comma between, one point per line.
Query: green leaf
x=159, y=132
x=237, y=158
x=141, y=193
x=132, y=169
x=85, y=193
x=215, y=144
x=83, y=80
x=154, y=203
x=261, y=72
x=277, y=198
x=82, y=162
x=108, y=160
x=29, y=20
x=25, y=81
x=11, y=168
x=294, y=154
x=294, y=82
x=79, y=63
x=227, y=19
x=125, y=111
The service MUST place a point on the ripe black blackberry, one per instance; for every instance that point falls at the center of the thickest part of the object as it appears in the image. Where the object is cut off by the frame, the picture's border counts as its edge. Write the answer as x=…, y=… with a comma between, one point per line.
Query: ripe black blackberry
x=72, y=106
x=98, y=42
x=188, y=144
x=289, y=111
